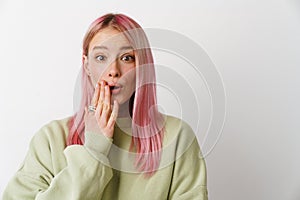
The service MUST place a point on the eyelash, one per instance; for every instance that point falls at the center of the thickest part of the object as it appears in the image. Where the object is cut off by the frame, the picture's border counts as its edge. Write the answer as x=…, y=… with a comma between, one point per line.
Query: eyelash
x=102, y=58
x=131, y=57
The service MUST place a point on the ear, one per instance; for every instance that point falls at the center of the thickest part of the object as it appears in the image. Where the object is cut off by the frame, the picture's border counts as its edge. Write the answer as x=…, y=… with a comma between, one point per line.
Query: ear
x=86, y=65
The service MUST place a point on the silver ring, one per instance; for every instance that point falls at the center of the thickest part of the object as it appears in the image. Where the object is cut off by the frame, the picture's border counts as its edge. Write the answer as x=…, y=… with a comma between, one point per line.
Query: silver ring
x=92, y=108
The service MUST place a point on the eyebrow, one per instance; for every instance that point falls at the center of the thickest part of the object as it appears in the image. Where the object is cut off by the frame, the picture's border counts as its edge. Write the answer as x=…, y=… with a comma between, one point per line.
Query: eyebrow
x=126, y=47
x=104, y=47
x=99, y=47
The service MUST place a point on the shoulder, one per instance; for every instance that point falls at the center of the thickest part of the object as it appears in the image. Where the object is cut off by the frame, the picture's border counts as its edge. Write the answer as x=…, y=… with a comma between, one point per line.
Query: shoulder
x=55, y=131
x=178, y=131
x=179, y=139
x=47, y=145
x=176, y=124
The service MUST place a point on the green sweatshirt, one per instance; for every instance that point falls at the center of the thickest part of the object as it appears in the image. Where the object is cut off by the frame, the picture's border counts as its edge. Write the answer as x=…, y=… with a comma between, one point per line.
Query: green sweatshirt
x=103, y=168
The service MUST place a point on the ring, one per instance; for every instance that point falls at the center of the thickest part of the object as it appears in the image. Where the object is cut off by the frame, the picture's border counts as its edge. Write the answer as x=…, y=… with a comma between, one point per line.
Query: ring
x=92, y=108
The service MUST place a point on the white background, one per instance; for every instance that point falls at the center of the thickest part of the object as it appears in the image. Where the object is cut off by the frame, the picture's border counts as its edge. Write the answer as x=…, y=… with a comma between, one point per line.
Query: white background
x=254, y=44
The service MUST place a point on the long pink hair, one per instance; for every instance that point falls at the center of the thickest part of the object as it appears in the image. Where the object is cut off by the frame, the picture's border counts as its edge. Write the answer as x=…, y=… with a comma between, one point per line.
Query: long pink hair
x=147, y=122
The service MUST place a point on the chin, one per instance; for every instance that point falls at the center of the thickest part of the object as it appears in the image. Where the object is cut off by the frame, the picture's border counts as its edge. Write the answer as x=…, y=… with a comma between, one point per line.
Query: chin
x=119, y=99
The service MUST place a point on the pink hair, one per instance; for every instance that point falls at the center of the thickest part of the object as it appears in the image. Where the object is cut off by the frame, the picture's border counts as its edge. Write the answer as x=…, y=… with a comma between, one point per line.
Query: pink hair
x=147, y=122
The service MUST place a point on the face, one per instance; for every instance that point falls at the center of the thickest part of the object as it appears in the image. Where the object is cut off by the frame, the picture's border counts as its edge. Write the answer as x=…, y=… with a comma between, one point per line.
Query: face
x=111, y=58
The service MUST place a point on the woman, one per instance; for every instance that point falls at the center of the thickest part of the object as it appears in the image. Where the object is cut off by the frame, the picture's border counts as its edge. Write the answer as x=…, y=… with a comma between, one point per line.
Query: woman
x=117, y=145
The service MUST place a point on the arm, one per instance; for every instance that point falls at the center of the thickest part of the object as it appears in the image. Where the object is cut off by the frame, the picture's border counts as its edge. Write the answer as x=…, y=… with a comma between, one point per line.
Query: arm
x=85, y=175
x=189, y=176
x=86, y=170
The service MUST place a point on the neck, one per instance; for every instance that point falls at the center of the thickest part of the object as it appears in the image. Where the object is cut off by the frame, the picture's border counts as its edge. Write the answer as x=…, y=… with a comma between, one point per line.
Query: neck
x=124, y=110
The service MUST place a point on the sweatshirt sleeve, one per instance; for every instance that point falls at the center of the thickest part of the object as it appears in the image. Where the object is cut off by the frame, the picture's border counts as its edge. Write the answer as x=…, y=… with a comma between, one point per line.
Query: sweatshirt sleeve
x=189, y=181
x=85, y=176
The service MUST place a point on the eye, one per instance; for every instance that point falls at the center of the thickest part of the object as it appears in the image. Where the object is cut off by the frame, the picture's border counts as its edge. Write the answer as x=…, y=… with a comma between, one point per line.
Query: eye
x=128, y=58
x=101, y=58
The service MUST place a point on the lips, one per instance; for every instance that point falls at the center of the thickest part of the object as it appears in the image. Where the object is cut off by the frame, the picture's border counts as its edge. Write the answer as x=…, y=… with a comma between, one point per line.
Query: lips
x=115, y=88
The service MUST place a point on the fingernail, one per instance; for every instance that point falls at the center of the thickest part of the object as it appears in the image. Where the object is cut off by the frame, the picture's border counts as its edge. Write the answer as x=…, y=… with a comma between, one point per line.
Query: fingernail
x=97, y=85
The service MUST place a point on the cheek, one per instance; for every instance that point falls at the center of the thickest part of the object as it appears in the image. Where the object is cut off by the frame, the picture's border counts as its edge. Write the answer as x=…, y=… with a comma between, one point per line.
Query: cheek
x=130, y=77
x=96, y=73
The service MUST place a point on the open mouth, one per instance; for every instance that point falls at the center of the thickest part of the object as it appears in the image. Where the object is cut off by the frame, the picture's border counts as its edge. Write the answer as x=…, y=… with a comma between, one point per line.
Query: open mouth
x=114, y=87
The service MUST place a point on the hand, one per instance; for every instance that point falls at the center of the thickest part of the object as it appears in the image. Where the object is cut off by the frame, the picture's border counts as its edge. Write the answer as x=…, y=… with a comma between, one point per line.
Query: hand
x=103, y=119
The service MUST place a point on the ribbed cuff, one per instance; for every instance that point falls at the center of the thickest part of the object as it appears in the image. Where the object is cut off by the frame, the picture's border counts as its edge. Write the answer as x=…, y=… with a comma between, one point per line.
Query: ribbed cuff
x=98, y=144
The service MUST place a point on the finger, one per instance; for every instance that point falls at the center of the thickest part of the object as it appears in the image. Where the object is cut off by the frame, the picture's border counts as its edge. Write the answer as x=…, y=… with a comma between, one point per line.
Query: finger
x=85, y=113
x=101, y=98
x=107, y=96
x=102, y=85
x=106, y=106
x=95, y=96
x=99, y=109
x=113, y=115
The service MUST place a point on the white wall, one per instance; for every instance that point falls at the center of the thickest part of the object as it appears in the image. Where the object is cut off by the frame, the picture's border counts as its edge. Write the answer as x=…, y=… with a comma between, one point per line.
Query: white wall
x=255, y=46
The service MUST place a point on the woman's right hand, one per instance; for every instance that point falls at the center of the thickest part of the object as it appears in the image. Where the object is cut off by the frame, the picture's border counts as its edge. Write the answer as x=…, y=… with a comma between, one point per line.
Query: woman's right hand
x=103, y=119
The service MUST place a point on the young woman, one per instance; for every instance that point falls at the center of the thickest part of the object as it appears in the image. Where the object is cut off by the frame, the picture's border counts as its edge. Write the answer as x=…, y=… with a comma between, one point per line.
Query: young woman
x=117, y=145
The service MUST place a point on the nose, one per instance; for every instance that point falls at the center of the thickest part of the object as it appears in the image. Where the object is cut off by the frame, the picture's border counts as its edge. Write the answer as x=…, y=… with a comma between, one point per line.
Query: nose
x=113, y=70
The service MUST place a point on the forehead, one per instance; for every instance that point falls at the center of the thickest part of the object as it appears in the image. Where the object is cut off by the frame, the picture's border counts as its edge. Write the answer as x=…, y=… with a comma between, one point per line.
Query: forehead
x=110, y=38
